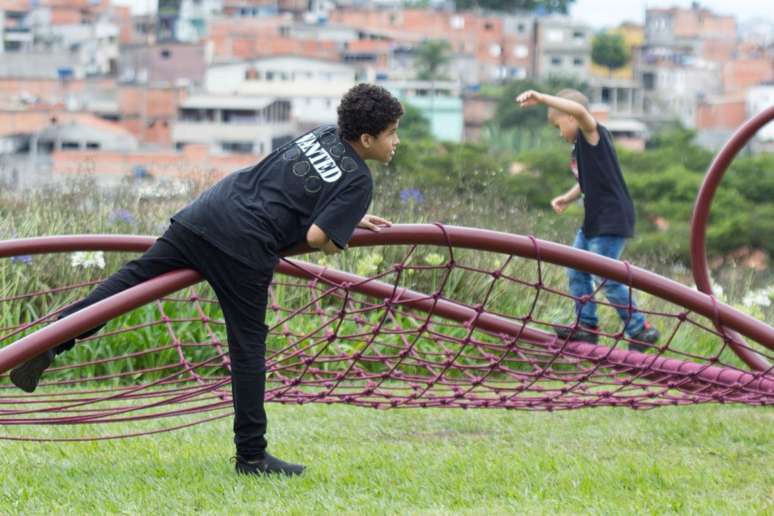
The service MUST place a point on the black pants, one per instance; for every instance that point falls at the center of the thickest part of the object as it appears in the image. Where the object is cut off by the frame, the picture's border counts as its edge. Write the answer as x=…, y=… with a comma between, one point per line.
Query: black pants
x=242, y=292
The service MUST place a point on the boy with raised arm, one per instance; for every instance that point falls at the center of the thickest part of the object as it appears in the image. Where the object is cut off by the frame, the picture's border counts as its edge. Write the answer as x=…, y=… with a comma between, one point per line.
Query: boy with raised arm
x=608, y=212
x=315, y=189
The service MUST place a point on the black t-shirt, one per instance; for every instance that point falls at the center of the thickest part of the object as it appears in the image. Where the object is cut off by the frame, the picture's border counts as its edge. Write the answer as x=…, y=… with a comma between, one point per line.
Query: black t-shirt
x=256, y=212
x=608, y=207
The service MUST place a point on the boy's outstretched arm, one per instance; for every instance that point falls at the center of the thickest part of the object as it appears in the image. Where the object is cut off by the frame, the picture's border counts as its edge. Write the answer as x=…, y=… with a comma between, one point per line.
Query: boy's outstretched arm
x=586, y=122
x=560, y=203
x=317, y=238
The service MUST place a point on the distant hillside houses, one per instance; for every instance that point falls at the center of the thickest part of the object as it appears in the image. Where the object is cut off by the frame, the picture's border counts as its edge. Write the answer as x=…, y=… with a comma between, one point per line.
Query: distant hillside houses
x=236, y=78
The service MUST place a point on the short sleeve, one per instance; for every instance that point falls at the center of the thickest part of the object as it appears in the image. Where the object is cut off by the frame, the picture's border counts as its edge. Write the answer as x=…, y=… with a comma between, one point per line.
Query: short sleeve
x=340, y=217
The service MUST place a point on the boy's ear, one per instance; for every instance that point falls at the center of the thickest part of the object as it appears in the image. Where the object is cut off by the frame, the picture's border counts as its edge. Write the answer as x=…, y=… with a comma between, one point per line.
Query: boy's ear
x=366, y=140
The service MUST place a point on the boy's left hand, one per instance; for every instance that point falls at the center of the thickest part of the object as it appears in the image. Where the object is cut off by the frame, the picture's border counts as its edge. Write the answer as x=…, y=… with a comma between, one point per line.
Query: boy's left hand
x=530, y=98
x=373, y=222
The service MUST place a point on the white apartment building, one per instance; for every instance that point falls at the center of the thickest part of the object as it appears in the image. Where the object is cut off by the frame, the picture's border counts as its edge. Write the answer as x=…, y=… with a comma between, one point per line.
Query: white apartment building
x=562, y=48
x=760, y=98
x=233, y=124
x=313, y=87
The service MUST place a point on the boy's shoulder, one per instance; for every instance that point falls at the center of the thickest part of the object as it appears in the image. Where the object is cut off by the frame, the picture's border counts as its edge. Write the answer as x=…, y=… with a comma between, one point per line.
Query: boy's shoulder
x=602, y=130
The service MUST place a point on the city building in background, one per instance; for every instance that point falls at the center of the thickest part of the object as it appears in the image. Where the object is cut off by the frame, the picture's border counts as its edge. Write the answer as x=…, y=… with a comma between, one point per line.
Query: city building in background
x=227, y=81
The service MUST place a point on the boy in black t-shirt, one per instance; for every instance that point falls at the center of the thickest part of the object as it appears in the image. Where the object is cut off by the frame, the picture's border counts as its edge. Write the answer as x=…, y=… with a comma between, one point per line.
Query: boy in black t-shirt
x=316, y=189
x=608, y=211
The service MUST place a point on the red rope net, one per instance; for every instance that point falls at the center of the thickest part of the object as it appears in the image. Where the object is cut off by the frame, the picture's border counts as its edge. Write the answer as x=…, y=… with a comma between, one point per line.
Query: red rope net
x=419, y=316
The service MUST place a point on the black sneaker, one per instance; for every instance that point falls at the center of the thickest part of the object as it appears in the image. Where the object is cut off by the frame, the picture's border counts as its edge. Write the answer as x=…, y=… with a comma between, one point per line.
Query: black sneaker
x=647, y=335
x=27, y=375
x=269, y=465
x=581, y=332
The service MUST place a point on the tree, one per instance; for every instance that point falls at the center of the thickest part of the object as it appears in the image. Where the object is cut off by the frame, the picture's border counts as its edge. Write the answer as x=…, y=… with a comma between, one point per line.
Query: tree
x=413, y=125
x=432, y=57
x=609, y=50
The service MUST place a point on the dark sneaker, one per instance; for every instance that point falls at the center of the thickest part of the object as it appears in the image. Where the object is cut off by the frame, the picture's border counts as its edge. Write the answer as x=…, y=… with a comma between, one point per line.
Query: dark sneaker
x=647, y=335
x=269, y=465
x=581, y=332
x=27, y=375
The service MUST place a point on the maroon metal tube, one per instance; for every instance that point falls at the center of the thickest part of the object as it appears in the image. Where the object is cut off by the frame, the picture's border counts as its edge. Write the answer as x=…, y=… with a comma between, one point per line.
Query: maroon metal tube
x=700, y=217
x=518, y=245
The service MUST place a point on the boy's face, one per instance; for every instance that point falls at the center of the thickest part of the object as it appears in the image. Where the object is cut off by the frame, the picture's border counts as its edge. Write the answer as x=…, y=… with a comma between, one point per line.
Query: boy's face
x=382, y=146
x=567, y=125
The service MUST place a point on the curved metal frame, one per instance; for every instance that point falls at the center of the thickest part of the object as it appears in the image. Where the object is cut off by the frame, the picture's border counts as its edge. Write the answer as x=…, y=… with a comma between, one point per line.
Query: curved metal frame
x=700, y=217
x=409, y=234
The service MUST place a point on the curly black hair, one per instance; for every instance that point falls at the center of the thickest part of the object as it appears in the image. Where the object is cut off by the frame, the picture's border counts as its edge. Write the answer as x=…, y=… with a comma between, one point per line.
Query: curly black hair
x=367, y=109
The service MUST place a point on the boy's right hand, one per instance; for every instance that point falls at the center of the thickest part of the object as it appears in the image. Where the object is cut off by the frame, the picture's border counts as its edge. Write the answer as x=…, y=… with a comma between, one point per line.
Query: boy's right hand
x=529, y=98
x=559, y=204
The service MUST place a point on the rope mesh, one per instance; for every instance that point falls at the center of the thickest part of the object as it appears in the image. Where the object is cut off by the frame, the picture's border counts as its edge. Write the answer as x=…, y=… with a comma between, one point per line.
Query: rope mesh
x=407, y=326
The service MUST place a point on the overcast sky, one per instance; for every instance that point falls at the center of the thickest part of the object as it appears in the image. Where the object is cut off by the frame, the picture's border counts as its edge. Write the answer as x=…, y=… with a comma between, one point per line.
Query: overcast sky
x=604, y=13
x=601, y=13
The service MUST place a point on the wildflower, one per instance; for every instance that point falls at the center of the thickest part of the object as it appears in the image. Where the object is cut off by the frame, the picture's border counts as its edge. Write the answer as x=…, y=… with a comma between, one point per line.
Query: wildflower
x=434, y=259
x=24, y=259
x=121, y=215
x=411, y=195
x=761, y=297
x=368, y=264
x=717, y=290
x=87, y=259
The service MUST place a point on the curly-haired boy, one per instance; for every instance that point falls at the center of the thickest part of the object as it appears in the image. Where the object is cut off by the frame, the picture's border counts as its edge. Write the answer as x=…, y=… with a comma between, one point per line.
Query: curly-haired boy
x=317, y=189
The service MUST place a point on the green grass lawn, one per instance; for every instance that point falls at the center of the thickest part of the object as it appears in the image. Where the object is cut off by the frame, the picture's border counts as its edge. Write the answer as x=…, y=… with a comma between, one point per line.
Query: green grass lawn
x=710, y=459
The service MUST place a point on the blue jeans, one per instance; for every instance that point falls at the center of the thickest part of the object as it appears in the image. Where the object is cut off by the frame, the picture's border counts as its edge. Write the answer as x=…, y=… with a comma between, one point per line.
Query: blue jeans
x=616, y=293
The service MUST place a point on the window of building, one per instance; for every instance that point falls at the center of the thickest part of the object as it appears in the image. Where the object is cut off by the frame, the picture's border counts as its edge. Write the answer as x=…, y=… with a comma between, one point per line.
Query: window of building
x=495, y=49
x=556, y=61
x=71, y=145
x=237, y=147
x=239, y=116
x=648, y=81
x=166, y=53
x=578, y=35
x=554, y=36
x=520, y=51
x=92, y=145
x=457, y=22
x=578, y=61
x=488, y=26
